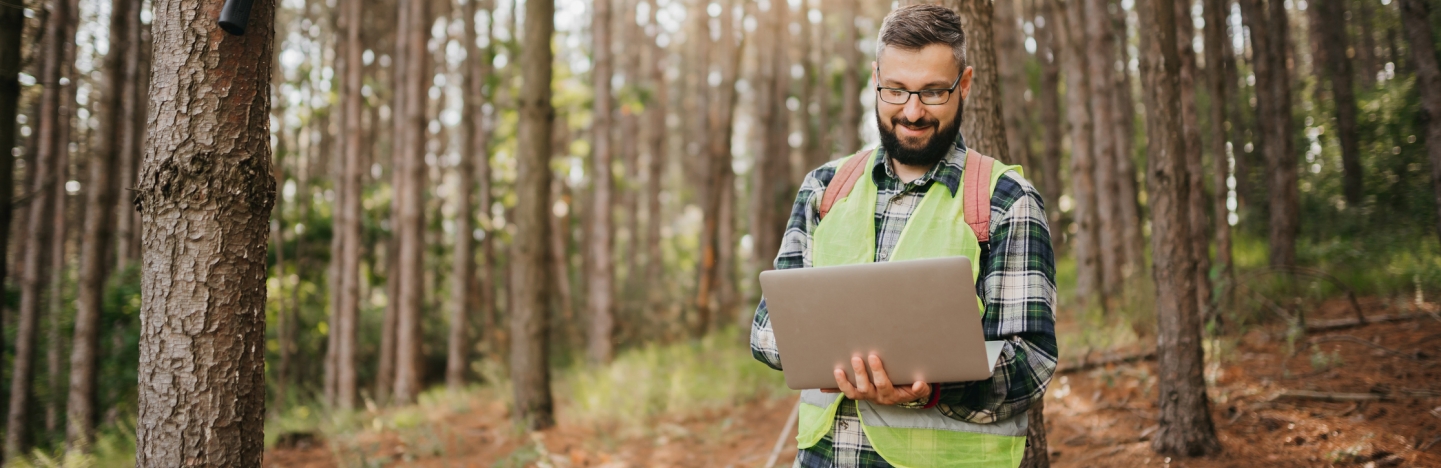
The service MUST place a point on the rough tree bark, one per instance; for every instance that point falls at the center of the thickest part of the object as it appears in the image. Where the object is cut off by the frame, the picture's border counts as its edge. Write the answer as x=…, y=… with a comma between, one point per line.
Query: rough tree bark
x=528, y=322
x=347, y=324
x=205, y=195
x=38, y=231
x=982, y=127
x=411, y=300
x=1328, y=29
x=1414, y=14
x=1070, y=23
x=1185, y=417
x=97, y=237
x=601, y=275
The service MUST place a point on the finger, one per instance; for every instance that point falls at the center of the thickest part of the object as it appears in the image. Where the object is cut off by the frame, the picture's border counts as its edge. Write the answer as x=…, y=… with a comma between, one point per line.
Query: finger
x=878, y=373
x=845, y=385
x=830, y=390
x=863, y=379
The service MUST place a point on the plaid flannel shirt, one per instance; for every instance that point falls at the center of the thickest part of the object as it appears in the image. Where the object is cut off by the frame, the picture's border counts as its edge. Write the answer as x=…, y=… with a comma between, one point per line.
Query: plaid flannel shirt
x=1017, y=286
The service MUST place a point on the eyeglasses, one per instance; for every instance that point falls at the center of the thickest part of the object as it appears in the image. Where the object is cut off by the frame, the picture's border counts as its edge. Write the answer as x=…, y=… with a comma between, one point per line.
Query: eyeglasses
x=929, y=97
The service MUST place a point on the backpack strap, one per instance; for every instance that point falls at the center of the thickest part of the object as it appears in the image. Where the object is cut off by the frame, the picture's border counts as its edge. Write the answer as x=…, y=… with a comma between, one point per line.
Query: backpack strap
x=976, y=180
x=846, y=176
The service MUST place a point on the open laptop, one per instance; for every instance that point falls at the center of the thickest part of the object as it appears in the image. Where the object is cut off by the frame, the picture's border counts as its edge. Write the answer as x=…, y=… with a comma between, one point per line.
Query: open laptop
x=919, y=316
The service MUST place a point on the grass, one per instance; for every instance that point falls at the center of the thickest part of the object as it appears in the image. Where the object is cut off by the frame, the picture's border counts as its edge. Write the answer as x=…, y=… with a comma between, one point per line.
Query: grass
x=114, y=448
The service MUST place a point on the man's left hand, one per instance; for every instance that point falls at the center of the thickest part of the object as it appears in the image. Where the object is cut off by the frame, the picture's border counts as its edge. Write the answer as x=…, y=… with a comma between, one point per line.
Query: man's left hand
x=876, y=386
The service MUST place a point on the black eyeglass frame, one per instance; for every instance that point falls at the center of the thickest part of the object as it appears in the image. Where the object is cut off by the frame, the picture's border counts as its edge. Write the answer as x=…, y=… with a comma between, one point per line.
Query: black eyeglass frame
x=948, y=91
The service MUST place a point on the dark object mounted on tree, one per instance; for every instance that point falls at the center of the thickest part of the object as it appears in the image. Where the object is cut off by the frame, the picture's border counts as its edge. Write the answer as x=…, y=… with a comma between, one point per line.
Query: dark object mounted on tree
x=234, y=16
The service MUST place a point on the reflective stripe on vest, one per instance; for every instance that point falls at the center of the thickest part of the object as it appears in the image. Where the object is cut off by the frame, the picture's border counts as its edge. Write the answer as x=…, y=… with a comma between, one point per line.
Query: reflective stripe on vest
x=910, y=437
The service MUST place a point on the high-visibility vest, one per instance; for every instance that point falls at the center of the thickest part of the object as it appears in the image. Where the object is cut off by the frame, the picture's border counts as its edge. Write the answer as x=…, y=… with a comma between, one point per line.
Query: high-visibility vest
x=938, y=227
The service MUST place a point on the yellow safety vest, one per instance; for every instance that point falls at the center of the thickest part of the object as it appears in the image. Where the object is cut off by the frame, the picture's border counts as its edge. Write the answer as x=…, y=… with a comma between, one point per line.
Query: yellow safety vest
x=908, y=437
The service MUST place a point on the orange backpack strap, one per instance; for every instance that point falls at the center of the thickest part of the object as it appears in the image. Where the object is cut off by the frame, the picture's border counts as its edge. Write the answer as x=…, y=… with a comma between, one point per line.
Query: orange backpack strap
x=844, y=180
x=976, y=181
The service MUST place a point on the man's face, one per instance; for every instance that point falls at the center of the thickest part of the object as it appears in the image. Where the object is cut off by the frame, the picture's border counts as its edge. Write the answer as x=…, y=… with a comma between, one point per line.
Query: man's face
x=915, y=133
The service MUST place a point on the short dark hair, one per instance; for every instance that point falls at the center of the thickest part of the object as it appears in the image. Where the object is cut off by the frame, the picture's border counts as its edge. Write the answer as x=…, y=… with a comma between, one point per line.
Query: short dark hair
x=914, y=27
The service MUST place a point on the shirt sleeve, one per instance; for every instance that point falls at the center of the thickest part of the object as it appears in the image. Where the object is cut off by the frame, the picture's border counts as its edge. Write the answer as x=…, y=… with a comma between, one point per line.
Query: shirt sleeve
x=795, y=252
x=1018, y=288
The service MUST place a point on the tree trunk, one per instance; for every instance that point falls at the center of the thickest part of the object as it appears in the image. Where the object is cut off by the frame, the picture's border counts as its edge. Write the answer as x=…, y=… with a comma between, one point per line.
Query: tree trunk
x=412, y=209
x=848, y=136
x=1190, y=119
x=1048, y=53
x=1128, y=189
x=205, y=196
x=1011, y=63
x=772, y=184
x=1101, y=65
x=1086, y=243
x=817, y=89
x=400, y=137
x=463, y=264
x=1414, y=14
x=655, y=166
x=12, y=24
x=132, y=135
x=718, y=173
x=530, y=374
x=97, y=238
x=481, y=132
x=1268, y=24
x=38, y=231
x=1219, y=66
x=348, y=215
x=60, y=222
x=1366, y=48
x=601, y=276
x=1328, y=30
x=1185, y=419
x=982, y=127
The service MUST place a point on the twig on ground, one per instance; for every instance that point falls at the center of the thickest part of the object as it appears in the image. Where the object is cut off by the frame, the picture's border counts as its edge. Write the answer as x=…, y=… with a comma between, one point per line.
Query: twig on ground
x=1353, y=339
x=1428, y=444
x=1327, y=396
x=781, y=441
x=1085, y=363
x=1337, y=324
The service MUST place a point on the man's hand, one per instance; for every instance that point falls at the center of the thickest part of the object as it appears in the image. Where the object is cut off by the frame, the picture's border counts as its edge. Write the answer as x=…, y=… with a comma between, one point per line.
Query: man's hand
x=877, y=388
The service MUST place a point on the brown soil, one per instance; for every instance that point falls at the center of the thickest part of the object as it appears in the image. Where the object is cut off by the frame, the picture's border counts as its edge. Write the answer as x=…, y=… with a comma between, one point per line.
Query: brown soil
x=1097, y=417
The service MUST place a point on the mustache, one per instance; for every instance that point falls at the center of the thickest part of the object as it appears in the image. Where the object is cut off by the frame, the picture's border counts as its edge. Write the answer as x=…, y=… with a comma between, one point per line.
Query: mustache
x=924, y=122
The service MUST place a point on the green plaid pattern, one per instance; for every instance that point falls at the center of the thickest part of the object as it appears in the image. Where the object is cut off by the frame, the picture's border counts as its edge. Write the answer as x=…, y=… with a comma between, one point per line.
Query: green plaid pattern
x=1017, y=286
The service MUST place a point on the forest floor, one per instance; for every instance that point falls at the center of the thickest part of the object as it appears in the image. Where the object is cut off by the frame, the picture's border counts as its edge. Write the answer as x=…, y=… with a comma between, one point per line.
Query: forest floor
x=1101, y=416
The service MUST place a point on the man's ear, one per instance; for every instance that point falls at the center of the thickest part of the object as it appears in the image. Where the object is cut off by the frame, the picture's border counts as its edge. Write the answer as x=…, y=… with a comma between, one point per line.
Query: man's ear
x=875, y=80
x=965, y=83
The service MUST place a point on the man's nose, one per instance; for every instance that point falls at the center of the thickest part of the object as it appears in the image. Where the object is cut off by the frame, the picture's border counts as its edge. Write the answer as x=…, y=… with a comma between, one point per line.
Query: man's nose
x=914, y=109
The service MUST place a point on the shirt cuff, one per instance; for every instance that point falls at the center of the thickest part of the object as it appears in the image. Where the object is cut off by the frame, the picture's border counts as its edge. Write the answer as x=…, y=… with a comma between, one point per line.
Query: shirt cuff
x=935, y=397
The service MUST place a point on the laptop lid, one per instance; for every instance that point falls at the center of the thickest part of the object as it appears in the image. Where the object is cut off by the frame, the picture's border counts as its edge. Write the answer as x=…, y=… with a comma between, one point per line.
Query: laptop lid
x=919, y=316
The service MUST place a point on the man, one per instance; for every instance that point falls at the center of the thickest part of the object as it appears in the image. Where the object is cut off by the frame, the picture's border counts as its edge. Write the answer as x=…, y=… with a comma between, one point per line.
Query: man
x=913, y=178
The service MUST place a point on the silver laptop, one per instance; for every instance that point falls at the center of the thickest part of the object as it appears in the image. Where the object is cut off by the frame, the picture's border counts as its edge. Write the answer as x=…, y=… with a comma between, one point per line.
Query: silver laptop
x=919, y=316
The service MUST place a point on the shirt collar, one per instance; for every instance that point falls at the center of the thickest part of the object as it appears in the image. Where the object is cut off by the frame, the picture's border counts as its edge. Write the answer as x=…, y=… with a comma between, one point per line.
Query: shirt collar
x=947, y=171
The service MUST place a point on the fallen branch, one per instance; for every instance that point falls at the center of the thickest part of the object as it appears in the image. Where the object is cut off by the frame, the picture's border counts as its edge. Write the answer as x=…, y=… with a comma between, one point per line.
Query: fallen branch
x=1337, y=324
x=1086, y=363
x=1327, y=396
x=781, y=441
x=1352, y=339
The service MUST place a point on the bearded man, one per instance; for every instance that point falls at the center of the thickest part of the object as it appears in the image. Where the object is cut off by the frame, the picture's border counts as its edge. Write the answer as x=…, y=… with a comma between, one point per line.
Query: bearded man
x=914, y=179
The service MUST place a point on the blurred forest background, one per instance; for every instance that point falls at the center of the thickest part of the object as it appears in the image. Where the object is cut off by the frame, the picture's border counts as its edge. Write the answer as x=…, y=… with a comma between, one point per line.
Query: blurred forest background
x=682, y=130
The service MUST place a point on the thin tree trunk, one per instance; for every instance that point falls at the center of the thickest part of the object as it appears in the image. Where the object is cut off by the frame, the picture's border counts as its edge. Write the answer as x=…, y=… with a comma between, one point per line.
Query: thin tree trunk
x=131, y=134
x=816, y=118
x=347, y=309
x=1328, y=30
x=1085, y=242
x=1414, y=14
x=487, y=274
x=655, y=166
x=1128, y=188
x=718, y=157
x=982, y=126
x=601, y=270
x=101, y=192
x=1185, y=418
x=1048, y=53
x=1366, y=48
x=848, y=136
x=1219, y=66
x=55, y=308
x=38, y=232
x=1191, y=145
x=463, y=264
x=412, y=209
x=1111, y=229
x=400, y=136
x=1268, y=24
x=772, y=184
x=1011, y=62
x=530, y=374
x=205, y=209
x=12, y=25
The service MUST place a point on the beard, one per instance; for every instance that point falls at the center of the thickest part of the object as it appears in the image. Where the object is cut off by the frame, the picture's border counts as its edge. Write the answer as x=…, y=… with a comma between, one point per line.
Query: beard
x=924, y=154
